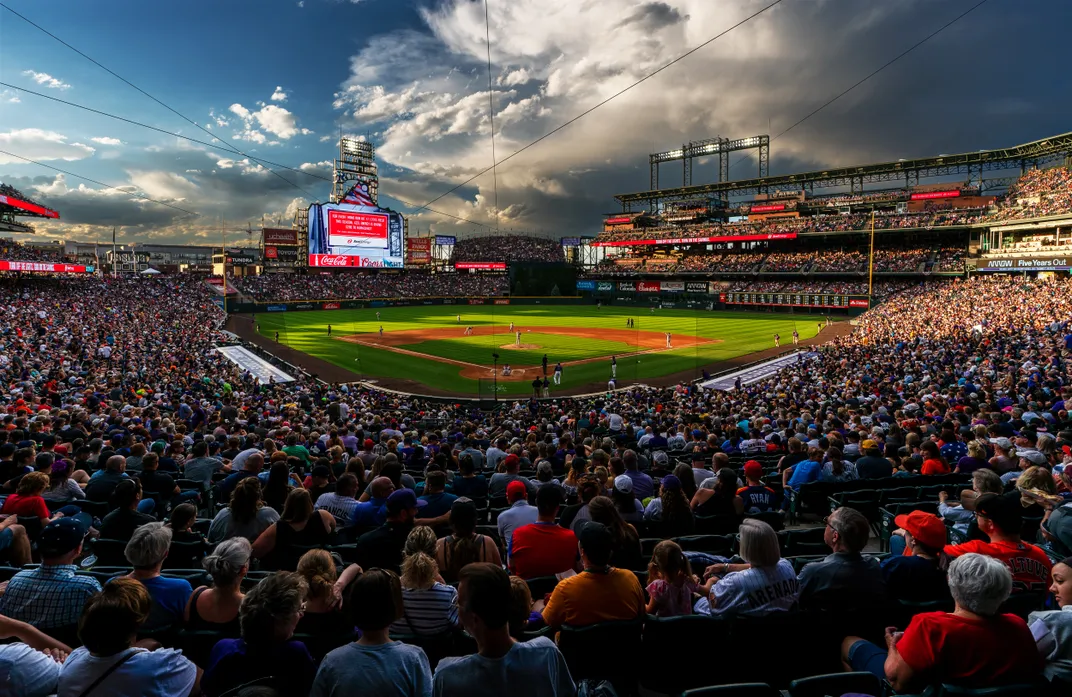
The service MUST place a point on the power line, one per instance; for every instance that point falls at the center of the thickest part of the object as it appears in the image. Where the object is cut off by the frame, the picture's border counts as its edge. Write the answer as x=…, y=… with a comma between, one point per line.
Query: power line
x=491, y=115
x=128, y=82
x=887, y=64
x=216, y=146
x=605, y=101
x=94, y=181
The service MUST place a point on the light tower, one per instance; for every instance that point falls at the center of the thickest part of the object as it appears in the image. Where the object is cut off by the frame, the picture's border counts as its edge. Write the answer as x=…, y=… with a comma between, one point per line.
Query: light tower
x=356, y=162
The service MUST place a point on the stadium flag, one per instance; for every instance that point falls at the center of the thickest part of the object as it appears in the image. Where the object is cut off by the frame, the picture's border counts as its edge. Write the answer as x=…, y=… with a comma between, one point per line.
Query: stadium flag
x=114, y=257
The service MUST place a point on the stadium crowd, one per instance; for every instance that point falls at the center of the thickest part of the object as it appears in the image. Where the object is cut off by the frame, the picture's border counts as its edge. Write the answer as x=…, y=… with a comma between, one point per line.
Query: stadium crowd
x=113, y=394
x=14, y=251
x=508, y=248
x=359, y=285
x=1039, y=192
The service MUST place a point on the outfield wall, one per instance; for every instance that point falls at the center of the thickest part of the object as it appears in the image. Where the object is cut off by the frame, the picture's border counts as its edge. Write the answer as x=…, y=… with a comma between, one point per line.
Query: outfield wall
x=245, y=308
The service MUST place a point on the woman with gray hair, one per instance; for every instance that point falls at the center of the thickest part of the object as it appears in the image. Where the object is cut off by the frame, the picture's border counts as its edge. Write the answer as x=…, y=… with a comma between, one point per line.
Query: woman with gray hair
x=973, y=646
x=765, y=583
x=146, y=551
x=215, y=607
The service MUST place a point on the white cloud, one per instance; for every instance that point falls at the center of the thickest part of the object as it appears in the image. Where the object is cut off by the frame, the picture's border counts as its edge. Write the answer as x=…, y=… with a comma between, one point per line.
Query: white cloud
x=301, y=3
x=279, y=95
x=239, y=111
x=38, y=144
x=164, y=185
x=104, y=140
x=9, y=96
x=46, y=80
x=324, y=139
x=268, y=119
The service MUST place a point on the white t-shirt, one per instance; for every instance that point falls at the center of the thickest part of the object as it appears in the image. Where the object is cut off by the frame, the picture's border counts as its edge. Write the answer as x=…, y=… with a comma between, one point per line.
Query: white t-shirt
x=27, y=672
x=160, y=673
x=533, y=668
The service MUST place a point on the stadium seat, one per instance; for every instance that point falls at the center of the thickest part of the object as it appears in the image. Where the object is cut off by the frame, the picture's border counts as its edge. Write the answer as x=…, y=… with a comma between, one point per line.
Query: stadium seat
x=744, y=689
x=721, y=545
x=186, y=555
x=97, y=509
x=717, y=524
x=1022, y=690
x=805, y=541
x=322, y=644
x=198, y=644
x=836, y=684
x=677, y=651
x=437, y=646
x=541, y=585
x=110, y=552
x=594, y=652
x=775, y=519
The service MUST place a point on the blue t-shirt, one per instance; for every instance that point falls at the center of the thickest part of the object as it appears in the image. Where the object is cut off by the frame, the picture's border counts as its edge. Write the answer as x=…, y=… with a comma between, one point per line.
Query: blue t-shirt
x=169, y=600
x=371, y=512
x=437, y=505
x=804, y=472
x=388, y=669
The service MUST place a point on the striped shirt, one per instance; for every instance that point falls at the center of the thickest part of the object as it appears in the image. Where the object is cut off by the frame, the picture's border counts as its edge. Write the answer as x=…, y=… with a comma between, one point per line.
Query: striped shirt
x=49, y=596
x=427, y=611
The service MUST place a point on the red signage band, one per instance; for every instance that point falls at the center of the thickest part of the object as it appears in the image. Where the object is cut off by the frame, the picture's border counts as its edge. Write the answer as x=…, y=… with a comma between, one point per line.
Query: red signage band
x=481, y=265
x=768, y=208
x=41, y=267
x=700, y=240
x=27, y=206
x=617, y=221
x=924, y=195
x=334, y=260
x=359, y=227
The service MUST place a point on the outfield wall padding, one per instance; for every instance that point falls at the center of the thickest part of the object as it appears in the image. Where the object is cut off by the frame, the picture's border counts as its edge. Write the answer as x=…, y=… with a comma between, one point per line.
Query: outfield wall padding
x=247, y=308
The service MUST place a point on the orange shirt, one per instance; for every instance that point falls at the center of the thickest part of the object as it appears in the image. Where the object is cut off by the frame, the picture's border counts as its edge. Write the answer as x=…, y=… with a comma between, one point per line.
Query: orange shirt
x=933, y=466
x=594, y=596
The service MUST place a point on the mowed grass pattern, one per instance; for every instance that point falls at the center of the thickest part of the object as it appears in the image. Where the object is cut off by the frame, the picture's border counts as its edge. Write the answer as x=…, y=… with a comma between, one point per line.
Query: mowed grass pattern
x=740, y=333
x=478, y=349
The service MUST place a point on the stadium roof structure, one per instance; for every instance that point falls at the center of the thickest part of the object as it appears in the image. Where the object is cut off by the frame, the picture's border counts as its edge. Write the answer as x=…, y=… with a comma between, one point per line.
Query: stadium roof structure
x=910, y=172
x=13, y=203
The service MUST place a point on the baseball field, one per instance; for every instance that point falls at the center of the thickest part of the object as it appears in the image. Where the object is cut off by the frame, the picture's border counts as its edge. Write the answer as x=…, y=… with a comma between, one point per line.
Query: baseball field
x=448, y=349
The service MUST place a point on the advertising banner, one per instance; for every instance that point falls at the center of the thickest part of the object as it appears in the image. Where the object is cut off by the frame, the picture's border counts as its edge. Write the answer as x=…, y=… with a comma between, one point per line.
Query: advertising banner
x=418, y=257
x=647, y=286
x=857, y=302
x=571, y=241
x=303, y=306
x=700, y=240
x=276, y=308
x=769, y=208
x=620, y=220
x=586, y=285
x=1026, y=264
x=446, y=239
x=241, y=257
x=476, y=301
x=604, y=285
x=42, y=267
x=280, y=236
x=280, y=256
x=330, y=306
x=335, y=261
x=696, y=287
x=28, y=206
x=927, y=195
x=355, y=227
x=502, y=301
x=626, y=285
x=481, y=265
x=672, y=286
x=419, y=250
x=419, y=243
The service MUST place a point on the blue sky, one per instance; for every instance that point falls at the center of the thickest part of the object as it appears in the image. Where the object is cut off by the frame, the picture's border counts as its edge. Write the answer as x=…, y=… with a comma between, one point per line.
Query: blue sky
x=413, y=75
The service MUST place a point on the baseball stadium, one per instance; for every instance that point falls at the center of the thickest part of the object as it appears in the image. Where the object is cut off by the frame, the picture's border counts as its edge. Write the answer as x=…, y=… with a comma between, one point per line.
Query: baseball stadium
x=802, y=431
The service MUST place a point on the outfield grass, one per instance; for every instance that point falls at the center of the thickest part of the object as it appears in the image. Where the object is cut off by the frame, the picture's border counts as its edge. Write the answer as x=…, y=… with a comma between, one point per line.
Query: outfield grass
x=739, y=333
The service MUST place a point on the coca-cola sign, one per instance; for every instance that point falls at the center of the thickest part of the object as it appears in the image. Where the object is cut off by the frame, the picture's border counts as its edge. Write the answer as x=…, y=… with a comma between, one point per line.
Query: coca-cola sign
x=334, y=260
x=330, y=306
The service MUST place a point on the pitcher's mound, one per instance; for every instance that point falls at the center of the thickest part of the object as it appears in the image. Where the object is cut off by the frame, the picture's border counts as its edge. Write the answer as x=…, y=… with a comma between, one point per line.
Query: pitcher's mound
x=517, y=347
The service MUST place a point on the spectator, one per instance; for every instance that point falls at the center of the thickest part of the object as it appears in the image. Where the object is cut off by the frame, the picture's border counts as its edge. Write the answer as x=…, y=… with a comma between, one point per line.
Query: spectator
x=13, y=537
x=146, y=551
x=29, y=666
x=911, y=571
x=643, y=486
x=670, y=581
x=717, y=496
x=630, y=508
x=626, y=553
x=500, y=481
x=429, y=606
x=972, y=647
x=604, y=594
x=201, y=467
x=62, y=488
x=103, y=482
x=340, y=503
x=463, y=546
x=216, y=607
x=246, y=516
x=543, y=548
x=502, y=665
x=268, y=615
x=121, y=523
x=845, y=580
x=322, y=615
x=437, y=501
x=373, y=511
x=300, y=526
x=671, y=508
x=374, y=664
x=1052, y=629
x=734, y=589
x=51, y=596
x=470, y=483
x=837, y=469
x=1000, y=519
x=382, y=547
x=110, y=659
x=520, y=513
x=756, y=496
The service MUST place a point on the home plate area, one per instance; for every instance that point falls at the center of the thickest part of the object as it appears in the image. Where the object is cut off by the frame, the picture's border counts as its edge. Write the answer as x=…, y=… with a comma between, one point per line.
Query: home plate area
x=638, y=342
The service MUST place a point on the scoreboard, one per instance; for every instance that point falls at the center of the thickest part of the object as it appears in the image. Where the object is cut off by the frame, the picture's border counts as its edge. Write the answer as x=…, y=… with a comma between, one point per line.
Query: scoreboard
x=795, y=299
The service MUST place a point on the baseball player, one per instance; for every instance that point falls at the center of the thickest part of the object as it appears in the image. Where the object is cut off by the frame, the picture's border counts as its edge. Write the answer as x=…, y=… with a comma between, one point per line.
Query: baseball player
x=777, y=340
x=381, y=331
x=511, y=326
x=544, y=364
x=377, y=316
x=277, y=337
x=796, y=337
x=668, y=344
x=517, y=339
x=459, y=319
x=558, y=373
x=613, y=367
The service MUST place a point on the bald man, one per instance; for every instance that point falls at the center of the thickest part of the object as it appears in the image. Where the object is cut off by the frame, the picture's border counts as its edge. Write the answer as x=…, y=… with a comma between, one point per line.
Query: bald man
x=372, y=510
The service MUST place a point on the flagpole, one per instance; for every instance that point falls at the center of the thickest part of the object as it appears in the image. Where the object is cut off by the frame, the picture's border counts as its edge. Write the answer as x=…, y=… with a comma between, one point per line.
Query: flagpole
x=871, y=258
x=115, y=259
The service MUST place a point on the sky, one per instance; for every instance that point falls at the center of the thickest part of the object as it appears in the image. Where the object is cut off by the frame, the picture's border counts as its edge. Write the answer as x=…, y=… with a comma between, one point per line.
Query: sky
x=278, y=80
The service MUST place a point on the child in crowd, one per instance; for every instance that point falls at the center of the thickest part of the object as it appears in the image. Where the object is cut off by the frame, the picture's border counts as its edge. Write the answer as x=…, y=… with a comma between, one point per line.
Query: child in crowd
x=670, y=581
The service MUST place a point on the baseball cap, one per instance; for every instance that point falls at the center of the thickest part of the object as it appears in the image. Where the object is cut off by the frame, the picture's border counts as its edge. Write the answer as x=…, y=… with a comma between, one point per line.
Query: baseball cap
x=869, y=444
x=60, y=537
x=1003, y=443
x=753, y=469
x=511, y=460
x=925, y=527
x=596, y=541
x=516, y=490
x=369, y=443
x=623, y=484
x=671, y=482
x=463, y=512
x=321, y=471
x=403, y=500
x=1002, y=511
x=1033, y=456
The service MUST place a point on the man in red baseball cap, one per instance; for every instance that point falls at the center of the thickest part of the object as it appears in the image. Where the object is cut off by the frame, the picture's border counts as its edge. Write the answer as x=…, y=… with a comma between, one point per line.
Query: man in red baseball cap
x=757, y=496
x=911, y=571
x=518, y=514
